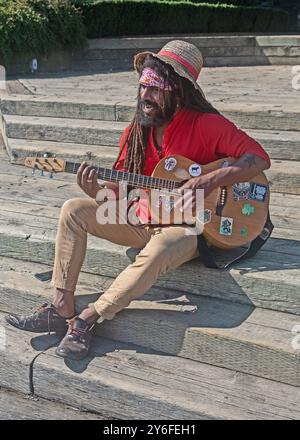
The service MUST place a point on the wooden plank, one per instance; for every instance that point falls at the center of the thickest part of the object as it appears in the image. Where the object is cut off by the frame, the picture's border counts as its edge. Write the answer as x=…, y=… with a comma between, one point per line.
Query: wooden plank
x=201, y=392
x=269, y=280
x=257, y=341
x=17, y=406
x=153, y=387
x=283, y=217
x=105, y=156
x=58, y=107
x=95, y=155
x=15, y=359
x=284, y=176
x=11, y=174
x=260, y=113
x=64, y=130
x=83, y=131
x=251, y=116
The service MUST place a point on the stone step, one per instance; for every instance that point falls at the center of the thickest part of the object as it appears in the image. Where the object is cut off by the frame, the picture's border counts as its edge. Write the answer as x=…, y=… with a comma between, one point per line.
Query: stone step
x=227, y=50
x=124, y=64
x=284, y=175
x=263, y=114
x=217, y=332
x=128, y=382
x=19, y=406
x=203, y=40
x=208, y=53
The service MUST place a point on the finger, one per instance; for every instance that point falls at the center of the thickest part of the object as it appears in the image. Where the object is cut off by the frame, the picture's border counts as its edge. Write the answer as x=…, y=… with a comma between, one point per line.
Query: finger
x=80, y=171
x=84, y=176
x=92, y=178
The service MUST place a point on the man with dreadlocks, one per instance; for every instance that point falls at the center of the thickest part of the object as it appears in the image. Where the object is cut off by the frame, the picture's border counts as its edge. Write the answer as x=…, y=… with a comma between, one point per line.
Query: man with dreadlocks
x=172, y=117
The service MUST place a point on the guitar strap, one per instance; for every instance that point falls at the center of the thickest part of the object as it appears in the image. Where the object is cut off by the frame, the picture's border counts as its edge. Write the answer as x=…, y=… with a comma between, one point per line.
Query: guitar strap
x=208, y=258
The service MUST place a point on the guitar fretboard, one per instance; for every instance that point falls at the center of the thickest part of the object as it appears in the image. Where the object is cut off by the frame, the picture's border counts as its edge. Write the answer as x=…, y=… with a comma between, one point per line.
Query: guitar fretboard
x=135, y=180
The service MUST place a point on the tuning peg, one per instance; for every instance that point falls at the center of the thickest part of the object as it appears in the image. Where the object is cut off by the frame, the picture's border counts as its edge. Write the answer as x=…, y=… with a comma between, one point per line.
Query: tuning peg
x=41, y=173
x=51, y=175
x=33, y=172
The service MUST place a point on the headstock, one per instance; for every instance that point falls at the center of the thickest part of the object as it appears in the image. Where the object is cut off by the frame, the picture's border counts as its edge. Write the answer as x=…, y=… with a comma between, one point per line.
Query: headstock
x=50, y=164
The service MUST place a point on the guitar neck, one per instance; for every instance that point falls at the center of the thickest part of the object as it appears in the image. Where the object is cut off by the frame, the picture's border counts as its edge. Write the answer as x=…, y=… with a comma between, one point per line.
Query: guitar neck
x=132, y=179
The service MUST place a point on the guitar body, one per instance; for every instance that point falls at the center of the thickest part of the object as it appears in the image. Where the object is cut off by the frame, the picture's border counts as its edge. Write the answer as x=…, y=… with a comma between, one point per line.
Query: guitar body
x=233, y=215
x=230, y=216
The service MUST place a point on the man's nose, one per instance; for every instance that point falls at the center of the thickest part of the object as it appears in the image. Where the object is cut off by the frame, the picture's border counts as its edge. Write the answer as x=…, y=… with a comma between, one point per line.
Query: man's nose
x=145, y=92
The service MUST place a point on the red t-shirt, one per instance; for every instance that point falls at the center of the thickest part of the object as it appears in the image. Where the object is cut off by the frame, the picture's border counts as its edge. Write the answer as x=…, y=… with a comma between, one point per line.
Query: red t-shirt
x=201, y=137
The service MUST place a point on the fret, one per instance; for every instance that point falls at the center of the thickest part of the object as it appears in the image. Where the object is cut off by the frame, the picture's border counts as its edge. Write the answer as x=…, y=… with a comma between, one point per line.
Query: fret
x=137, y=180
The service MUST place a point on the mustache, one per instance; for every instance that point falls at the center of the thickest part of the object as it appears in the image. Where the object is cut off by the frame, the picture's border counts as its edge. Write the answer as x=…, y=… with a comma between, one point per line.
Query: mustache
x=148, y=102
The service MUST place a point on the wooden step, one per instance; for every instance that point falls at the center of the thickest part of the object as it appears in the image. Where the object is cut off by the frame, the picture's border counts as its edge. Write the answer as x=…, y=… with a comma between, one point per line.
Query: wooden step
x=129, y=382
x=260, y=113
x=284, y=175
x=97, y=155
x=269, y=280
x=28, y=225
x=64, y=130
x=18, y=406
x=278, y=149
x=59, y=107
x=88, y=132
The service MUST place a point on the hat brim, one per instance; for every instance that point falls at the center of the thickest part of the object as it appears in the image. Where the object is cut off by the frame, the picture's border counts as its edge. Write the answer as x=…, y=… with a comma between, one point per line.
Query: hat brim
x=178, y=68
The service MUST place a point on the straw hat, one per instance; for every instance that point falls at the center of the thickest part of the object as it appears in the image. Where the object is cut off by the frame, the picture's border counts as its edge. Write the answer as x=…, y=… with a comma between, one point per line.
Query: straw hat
x=185, y=58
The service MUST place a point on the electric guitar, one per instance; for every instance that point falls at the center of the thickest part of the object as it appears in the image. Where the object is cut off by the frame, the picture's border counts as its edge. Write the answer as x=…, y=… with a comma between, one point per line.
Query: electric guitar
x=232, y=215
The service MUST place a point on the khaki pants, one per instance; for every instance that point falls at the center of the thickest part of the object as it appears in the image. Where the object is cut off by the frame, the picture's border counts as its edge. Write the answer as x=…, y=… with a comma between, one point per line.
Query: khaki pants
x=163, y=249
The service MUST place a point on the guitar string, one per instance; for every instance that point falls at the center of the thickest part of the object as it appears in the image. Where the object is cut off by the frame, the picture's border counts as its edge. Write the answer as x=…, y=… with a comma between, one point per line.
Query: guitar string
x=147, y=182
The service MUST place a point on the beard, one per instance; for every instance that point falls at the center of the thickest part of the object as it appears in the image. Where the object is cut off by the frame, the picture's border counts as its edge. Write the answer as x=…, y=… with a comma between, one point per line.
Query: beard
x=151, y=114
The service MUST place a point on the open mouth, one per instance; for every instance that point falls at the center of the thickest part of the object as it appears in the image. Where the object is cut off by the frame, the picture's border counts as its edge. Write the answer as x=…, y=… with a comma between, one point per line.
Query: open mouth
x=148, y=107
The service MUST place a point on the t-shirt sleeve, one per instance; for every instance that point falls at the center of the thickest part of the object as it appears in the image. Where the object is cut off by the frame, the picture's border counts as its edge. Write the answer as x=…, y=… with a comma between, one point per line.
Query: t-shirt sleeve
x=119, y=166
x=227, y=139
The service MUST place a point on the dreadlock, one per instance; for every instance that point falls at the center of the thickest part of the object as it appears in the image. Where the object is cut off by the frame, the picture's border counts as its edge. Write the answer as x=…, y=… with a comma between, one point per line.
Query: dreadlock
x=138, y=135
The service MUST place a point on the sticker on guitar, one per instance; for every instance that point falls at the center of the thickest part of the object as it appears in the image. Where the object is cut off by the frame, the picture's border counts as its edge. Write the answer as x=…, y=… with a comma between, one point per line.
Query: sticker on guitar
x=258, y=192
x=241, y=191
x=170, y=163
x=195, y=170
x=226, y=226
